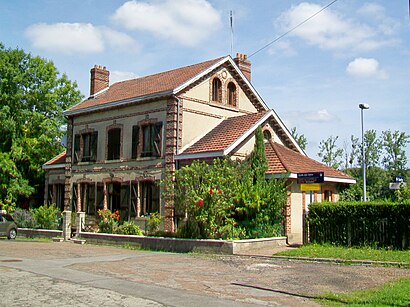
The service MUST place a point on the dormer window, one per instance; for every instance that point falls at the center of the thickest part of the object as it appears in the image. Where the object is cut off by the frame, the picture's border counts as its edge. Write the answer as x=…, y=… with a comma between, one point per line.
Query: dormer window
x=216, y=90
x=231, y=94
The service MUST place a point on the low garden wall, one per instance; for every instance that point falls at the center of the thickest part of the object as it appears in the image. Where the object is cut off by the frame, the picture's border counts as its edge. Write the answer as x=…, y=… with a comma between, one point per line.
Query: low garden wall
x=167, y=244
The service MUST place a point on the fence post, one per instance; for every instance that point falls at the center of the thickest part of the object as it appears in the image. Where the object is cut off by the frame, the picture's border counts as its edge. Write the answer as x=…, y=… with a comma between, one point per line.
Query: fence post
x=79, y=222
x=349, y=232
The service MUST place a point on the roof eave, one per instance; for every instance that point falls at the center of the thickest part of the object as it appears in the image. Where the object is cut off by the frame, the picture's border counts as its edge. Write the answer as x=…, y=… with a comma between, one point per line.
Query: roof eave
x=117, y=103
x=52, y=166
x=200, y=155
x=326, y=178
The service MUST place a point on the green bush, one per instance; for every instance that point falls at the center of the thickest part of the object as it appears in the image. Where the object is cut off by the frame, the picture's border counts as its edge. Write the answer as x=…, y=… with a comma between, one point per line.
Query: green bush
x=154, y=222
x=24, y=219
x=108, y=221
x=360, y=224
x=46, y=216
x=129, y=228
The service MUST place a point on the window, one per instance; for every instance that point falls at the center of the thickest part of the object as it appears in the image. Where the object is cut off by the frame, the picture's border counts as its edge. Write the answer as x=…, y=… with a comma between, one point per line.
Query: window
x=151, y=140
x=85, y=147
x=216, y=90
x=328, y=195
x=231, y=94
x=114, y=144
x=149, y=197
x=267, y=135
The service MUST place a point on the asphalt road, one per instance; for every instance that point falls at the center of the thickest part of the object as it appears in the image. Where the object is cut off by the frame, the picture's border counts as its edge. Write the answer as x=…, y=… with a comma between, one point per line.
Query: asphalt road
x=67, y=274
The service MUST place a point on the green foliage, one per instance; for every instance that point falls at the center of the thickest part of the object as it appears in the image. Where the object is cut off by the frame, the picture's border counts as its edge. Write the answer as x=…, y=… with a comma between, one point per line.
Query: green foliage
x=300, y=139
x=394, y=144
x=329, y=153
x=46, y=216
x=129, y=228
x=154, y=222
x=24, y=219
x=108, y=221
x=32, y=99
x=358, y=224
x=228, y=199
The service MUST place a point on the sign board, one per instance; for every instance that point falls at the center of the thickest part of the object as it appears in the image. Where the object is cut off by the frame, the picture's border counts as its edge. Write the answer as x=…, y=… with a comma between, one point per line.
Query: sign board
x=396, y=185
x=310, y=186
x=398, y=179
x=311, y=177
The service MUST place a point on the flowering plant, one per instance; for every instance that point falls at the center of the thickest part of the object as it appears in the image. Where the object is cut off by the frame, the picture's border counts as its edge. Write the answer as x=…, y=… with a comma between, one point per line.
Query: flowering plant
x=108, y=220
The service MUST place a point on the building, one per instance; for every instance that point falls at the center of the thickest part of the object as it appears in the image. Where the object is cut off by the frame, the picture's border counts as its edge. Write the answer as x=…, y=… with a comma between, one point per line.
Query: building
x=125, y=136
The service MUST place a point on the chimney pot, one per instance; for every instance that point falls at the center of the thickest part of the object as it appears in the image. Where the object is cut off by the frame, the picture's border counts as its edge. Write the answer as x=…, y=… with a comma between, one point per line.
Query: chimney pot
x=244, y=64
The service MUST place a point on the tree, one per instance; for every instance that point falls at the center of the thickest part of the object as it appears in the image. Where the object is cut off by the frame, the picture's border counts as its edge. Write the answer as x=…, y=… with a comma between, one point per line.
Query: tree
x=330, y=154
x=300, y=139
x=394, y=144
x=32, y=99
x=257, y=158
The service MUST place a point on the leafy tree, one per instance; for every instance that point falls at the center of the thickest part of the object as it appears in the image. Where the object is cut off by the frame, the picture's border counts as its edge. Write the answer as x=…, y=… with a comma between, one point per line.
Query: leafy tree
x=330, y=154
x=300, y=139
x=32, y=99
x=394, y=144
x=257, y=158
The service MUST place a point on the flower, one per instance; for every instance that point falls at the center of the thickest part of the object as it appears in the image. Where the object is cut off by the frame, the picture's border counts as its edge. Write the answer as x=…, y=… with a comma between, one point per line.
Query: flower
x=210, y=191
x=220, y=192
x=200, y=202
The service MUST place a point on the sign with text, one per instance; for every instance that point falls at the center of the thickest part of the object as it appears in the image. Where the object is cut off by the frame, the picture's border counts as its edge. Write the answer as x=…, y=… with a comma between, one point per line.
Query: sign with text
x=310, y=187
x=311, y=177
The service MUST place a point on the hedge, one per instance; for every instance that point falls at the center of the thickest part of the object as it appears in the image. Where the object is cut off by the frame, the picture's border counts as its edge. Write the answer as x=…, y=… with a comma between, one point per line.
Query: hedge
x=384, y=225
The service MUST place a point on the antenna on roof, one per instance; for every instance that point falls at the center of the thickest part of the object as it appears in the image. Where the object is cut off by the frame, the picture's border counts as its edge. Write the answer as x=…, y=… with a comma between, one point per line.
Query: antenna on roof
x=231, y=23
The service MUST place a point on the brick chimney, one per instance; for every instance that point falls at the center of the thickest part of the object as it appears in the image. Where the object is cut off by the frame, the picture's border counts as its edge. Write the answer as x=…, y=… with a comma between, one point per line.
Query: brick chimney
x=100, y=79
x=244, y=64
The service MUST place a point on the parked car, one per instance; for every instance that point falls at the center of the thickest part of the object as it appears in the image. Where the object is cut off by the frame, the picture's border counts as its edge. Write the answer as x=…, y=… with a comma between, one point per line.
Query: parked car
x=7, y=226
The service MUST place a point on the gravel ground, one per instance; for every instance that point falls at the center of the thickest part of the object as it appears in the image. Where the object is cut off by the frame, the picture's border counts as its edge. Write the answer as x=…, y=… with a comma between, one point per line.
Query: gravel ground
x=241, y=279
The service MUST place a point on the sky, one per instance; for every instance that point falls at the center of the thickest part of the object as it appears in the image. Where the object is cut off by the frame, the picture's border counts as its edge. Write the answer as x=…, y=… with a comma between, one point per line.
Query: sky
x=314, y=77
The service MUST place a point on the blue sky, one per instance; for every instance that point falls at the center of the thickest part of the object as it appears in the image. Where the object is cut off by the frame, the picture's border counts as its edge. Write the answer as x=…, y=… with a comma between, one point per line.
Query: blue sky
x=314, y=78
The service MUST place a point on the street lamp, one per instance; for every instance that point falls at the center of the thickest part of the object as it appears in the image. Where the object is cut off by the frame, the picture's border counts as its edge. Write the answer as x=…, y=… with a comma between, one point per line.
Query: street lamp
x=363, y=106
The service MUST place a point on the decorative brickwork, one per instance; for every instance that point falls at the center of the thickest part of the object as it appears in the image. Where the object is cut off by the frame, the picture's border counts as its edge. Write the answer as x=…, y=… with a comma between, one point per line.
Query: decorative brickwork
x=244, y=64
x=287, y=214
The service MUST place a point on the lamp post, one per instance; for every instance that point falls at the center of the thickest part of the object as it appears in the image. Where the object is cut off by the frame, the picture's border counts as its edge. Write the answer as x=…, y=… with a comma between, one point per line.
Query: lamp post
x=363, y=106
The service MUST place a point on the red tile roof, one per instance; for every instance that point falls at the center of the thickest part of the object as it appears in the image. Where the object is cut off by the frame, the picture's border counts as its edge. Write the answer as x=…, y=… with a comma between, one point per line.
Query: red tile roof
x=59, y=159
x=144, y=86
x=282, y=159
x=226, y=133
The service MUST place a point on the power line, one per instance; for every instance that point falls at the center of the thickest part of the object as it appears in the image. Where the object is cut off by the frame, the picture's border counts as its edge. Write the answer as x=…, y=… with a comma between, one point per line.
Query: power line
x=295, y=27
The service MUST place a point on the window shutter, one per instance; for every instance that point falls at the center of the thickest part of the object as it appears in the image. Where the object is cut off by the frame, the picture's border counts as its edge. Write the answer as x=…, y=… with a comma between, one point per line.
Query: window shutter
x=77, y=148
x=135, y=141
x=157, y=139
x=94, y=143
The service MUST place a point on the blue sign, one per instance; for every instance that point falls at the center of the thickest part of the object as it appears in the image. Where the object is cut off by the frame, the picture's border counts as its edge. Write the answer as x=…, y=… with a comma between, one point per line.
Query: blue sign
x=398, y=179
x=311, y=177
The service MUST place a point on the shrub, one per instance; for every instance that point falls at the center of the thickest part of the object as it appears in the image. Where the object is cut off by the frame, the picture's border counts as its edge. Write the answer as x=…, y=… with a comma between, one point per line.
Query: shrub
x=154, y=222
x=24, y=219
x=108, y=221
x=129, y=228
x=46, y=216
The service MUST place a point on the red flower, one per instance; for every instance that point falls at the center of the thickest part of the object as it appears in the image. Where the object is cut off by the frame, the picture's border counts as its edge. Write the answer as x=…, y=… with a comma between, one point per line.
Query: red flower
x=210, y=191
x=200, y=202
x=220, y=192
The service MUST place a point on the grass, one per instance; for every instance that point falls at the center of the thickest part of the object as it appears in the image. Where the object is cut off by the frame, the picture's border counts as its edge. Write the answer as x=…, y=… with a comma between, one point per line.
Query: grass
x=345, y=253
x=390, y=294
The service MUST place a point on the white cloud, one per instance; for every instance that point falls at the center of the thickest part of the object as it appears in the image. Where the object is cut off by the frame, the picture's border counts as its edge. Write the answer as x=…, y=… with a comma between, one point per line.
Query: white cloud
x=282, y=48
x=365, y=68
x=377, y=13
x=186, y=21
x=319, y=116
x=329, y=30
x=77, y=38
x=117, y=76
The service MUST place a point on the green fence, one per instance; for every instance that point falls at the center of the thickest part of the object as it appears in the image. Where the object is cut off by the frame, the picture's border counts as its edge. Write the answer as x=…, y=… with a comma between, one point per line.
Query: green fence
x=358, y=224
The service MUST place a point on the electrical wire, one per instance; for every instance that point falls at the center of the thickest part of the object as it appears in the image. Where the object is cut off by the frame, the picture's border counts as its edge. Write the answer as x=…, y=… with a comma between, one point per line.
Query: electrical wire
x=295, y=27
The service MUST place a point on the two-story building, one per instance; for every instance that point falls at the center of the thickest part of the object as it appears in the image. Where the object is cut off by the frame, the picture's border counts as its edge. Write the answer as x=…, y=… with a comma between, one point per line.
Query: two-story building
x=125, y=136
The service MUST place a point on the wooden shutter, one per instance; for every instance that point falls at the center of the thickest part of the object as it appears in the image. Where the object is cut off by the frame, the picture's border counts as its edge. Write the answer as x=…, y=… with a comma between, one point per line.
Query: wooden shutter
x=157, y=139
x=77, y=150
x=94, y=143
x=135, y=141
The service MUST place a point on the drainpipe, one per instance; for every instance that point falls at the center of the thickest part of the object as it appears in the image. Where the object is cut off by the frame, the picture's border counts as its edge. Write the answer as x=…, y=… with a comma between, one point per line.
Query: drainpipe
x=177, y=140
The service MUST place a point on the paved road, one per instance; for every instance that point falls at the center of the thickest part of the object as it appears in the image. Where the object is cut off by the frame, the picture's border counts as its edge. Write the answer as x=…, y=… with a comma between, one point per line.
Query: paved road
x=66, y=274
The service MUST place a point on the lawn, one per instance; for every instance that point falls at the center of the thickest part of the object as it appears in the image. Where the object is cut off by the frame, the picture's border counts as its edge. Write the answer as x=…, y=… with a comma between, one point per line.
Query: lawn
x=345, y=253
x=396, y=293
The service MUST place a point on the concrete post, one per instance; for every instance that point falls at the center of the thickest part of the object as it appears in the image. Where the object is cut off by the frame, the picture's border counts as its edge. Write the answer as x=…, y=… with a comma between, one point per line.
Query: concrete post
x=79, y=222
x=66, y=225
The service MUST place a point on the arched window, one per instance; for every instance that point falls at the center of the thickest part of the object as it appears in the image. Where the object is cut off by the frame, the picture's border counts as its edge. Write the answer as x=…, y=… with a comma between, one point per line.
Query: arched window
x=216, y=90
x=231, y=94
x=266, y=135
